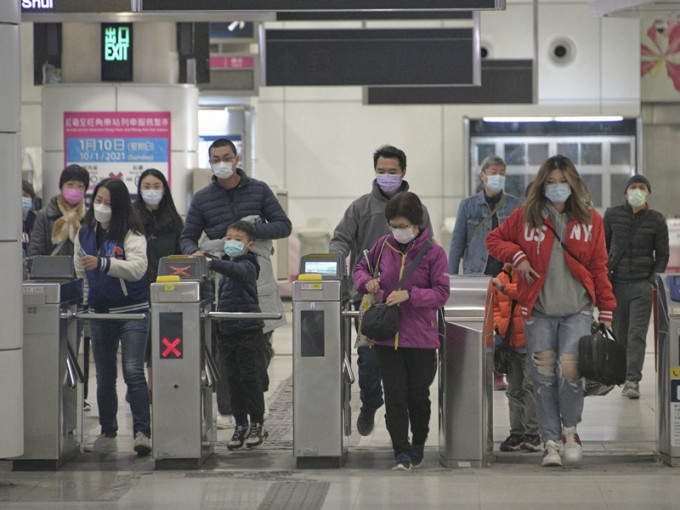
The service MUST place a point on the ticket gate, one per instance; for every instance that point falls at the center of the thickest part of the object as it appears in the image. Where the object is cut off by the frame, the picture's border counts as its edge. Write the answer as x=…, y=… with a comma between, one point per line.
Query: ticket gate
x=668, y=372
x=184, y=428
x=322, y=374
x=465, y=376
x=52, y=399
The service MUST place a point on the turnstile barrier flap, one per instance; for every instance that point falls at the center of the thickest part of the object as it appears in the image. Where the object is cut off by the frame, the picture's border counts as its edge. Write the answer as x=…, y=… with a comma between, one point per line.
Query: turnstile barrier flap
x=47, y=267
x=187, y=267
x=52, y=292
x=468, y=296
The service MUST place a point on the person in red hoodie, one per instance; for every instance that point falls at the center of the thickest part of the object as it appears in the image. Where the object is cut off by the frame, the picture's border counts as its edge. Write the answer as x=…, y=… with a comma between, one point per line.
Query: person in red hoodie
x=522, y=406
x=557, y=245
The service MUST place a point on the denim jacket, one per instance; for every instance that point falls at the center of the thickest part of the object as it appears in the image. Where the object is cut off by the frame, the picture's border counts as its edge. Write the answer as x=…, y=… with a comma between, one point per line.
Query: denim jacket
x=471, y=212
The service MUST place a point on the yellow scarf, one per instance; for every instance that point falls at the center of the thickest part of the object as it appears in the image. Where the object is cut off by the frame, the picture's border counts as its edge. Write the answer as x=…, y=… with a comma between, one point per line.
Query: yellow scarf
x=67, y=226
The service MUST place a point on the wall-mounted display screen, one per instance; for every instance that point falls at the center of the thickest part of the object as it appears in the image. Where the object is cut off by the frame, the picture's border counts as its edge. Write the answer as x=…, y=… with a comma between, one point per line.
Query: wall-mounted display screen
x=318, y=5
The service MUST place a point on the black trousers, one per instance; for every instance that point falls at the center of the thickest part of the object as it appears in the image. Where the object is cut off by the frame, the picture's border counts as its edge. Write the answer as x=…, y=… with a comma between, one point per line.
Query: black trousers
x=244, y=360
x=407, y=375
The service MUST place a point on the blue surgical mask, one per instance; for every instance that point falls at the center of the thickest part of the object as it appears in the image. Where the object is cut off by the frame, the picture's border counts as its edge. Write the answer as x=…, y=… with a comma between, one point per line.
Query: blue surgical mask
x=233, y=248
x=26, y=204
x=558, y=192
x=495, y=182
x=388, y=183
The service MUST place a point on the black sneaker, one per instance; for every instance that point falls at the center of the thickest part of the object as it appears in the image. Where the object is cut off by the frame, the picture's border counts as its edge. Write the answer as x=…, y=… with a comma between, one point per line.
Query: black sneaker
x=238, y=438
x=512, y=443
x=256, y=435
x=417, y=452
x=366, y=420
x=532, y=443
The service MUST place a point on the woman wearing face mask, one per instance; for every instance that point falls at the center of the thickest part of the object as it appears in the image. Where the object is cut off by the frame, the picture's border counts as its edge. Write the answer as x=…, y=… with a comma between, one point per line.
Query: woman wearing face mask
x=162, y=224
x=557, y=245
x=407, y=362
x=111, y=258
x=27, y=214
x=57, y=224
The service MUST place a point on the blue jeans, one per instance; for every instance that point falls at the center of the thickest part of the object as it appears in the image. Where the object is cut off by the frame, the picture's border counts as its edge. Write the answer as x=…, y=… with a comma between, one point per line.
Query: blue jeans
x=370, y=385
x=559, y=401
x=133, y=337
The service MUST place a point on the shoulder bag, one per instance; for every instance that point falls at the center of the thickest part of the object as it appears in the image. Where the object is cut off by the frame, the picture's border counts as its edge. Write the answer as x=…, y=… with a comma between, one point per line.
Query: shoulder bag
x=380, y=321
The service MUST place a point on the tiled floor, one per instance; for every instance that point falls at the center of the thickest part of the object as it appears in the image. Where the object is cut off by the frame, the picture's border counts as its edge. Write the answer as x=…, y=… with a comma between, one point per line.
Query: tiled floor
x=619, y=468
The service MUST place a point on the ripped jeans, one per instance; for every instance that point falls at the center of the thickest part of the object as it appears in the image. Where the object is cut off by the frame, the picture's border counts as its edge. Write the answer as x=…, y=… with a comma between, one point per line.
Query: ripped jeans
x=559, y=400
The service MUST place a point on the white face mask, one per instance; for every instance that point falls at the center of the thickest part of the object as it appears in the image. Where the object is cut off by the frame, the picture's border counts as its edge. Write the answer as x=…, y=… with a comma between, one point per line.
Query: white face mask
x=223, y=170
x=404, y=235
x=102, y=213
x=152, y=196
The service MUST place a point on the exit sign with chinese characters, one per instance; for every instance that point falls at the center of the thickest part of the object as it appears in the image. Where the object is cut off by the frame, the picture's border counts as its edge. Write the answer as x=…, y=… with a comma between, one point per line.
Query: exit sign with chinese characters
x=116, y=51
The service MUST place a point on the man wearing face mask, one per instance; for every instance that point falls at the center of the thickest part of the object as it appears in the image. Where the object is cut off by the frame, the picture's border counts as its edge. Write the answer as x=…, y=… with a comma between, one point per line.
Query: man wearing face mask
x=361, y=226
x=637, y=243
x=231, y=196
x=477, y=216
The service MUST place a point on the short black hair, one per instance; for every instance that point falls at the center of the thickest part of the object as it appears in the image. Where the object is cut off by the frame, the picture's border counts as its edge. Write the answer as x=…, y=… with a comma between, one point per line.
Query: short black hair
x=244, y=226
x=389, y=151
x=222, y=142
x=27, y=187
x=74, y=173
x=406, y=204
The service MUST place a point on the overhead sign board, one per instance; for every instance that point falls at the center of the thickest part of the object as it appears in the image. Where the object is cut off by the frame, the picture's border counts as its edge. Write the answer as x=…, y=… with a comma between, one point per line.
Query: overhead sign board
x=319, y=5
x=60, y=6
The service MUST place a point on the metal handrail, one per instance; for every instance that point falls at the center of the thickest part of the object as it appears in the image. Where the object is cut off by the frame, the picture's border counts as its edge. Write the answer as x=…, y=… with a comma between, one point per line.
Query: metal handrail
x=234, y=316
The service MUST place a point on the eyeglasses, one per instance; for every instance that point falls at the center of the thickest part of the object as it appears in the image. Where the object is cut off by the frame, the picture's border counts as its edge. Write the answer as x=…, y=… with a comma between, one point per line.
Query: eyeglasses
x=398, y=227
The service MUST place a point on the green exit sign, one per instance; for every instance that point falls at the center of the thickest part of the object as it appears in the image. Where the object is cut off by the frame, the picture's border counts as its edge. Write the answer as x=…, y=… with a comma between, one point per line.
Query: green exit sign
x=116, y=51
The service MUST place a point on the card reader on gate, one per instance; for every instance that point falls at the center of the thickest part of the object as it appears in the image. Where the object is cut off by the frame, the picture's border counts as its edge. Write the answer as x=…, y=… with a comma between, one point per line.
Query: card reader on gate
x=186, y=268
x=329, y=265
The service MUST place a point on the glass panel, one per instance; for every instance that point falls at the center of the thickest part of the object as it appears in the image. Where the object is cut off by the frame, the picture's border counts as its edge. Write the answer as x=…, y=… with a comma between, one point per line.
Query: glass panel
x=515, y=184
x=594, y=183
x=569, y=150
x=312, y=333
x=538, y=153
x=484, y=150
x=620, y=154
x=515, y=154
x=591, y=153
x=618, y=187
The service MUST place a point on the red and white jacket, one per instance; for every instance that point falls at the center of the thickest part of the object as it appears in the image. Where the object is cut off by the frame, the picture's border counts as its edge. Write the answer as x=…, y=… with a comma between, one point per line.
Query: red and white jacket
x=515, y=241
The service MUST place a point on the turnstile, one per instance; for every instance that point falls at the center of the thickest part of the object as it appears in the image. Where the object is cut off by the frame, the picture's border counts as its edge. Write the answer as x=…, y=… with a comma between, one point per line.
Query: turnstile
x=668, y=369
x=322, y=374
x=51, y=371
x=183, y=424
x=465, y=375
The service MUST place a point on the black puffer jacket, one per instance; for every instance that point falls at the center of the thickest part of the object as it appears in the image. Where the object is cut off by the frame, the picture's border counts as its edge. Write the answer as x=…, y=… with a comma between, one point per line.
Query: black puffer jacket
x=646, y=253
x=238, y=291
x=162, y=237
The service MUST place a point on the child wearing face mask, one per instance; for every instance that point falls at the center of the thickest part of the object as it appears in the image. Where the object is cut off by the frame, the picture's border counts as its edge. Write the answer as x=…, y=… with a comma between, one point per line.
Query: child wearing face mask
x=110, y=257
x=242, y=340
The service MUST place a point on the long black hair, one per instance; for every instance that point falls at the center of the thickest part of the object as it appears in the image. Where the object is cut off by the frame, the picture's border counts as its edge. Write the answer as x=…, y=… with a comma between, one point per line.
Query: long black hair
x=123, y=216
x=166, y=217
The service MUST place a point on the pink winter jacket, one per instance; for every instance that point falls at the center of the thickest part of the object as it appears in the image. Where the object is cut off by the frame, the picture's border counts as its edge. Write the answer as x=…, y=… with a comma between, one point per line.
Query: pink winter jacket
x=428, y=283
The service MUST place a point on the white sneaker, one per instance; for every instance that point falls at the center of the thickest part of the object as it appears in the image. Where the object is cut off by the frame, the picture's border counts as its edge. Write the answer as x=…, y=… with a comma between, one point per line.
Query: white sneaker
x=102, y=444
x=225, y=421
x=142, y=444
x=551, y=454
x=573, y=451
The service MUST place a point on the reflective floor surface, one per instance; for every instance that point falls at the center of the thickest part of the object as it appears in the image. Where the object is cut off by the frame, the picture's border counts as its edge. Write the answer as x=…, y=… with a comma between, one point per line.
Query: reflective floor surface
x=619, y=469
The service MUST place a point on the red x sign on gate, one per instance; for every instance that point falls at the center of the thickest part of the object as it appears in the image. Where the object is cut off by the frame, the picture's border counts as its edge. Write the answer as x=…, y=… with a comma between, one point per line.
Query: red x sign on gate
x=171, y=348
x=183, y=271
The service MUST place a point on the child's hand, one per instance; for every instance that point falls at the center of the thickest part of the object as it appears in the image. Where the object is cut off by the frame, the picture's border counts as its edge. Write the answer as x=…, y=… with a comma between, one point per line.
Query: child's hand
x=496, y=282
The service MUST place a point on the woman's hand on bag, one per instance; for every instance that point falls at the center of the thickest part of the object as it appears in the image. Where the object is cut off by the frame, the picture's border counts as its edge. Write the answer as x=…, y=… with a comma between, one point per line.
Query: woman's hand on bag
x=607, y=324
x=396, y=297
x=373, y=286
x=527, y=272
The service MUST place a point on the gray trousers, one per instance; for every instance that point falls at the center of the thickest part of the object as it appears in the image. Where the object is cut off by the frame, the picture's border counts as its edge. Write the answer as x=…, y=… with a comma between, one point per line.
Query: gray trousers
x=631, y=322
x=520, y=393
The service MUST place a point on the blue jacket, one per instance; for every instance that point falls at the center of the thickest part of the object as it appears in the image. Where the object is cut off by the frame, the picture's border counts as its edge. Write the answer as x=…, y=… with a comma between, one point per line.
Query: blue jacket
x=118, y=285
x=471, y=212
x=238, y=291
x=214, y=208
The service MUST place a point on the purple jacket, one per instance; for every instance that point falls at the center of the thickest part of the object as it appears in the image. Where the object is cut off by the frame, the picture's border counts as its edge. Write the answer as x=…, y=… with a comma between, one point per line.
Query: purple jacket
x=428, y=283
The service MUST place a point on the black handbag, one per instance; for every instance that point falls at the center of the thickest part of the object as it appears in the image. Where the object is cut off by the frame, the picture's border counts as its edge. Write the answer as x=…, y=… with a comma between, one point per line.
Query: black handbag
x=380, y=321
x=601, y=358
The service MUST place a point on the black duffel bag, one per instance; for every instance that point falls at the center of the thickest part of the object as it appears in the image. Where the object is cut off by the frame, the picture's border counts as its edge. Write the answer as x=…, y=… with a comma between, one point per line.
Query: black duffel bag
x=601, y=358
x=380, y=322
